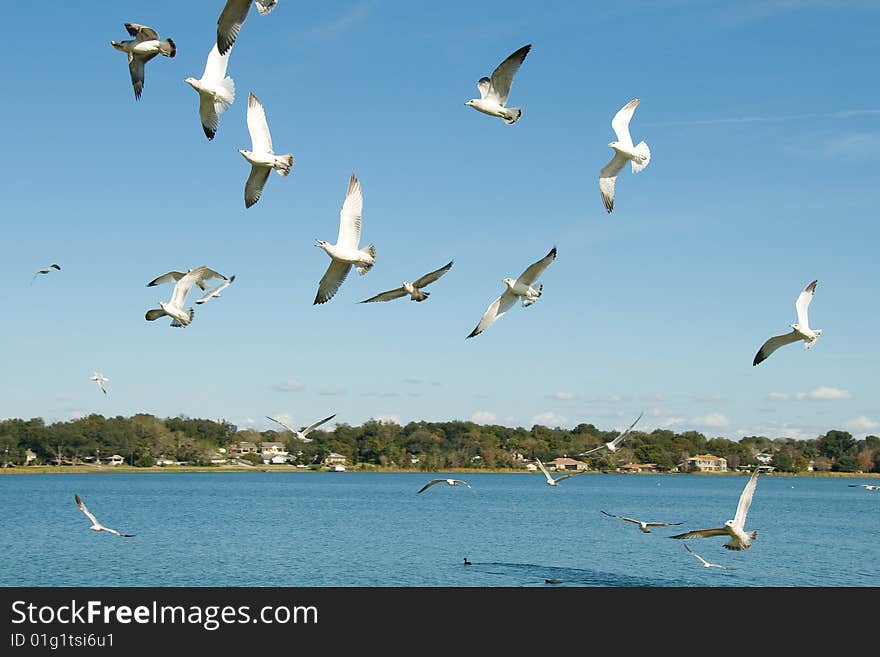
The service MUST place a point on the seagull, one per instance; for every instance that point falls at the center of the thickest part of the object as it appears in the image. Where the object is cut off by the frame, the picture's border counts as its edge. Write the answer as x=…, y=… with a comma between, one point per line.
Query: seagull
x=45, y=270
x=550, y=480
x=641, y=523
x=799, y=331
x=414, y=289
x=466, y=562
x=174, y=307
x=705, y=563
x=231, y=18
x=614, y=445
x=216, y=91
x=96, y=526
x=739, y=538
x=865, y=486
x=210, y=294
x=101, y=380
x=261, y=157
x=302, y=433
x=518, y=288
x=451, y=482
x=494, y=91
x=624, y=151
x=345, y=252
x=141, y=49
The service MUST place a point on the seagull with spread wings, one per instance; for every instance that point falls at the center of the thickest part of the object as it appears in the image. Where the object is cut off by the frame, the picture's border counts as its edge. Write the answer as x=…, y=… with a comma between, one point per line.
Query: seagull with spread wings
x=799, y=331
x=643, y=525
x=550, y=480
x=414, y=289
x=449, y=482
x=522, y=287
x=624, y=151
x=210, y=294
x=865, y=486
x=216, y=91
x=101, y=380
x=232, y=17
x=145, y=45
x=613, y=445
x=305, y=431
x=707, y=564
x=261, y=156
x=96, y=526
x=180, y=317
x=45, y=270
x=495, y=90
x=345, y=252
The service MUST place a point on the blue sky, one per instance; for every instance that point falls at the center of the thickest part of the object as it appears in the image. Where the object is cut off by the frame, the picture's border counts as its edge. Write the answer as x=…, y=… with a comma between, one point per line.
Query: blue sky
x=763, y=120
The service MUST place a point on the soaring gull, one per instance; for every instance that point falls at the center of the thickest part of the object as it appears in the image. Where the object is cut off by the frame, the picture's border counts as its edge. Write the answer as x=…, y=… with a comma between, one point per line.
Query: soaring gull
x=180, y=317
x=215, y=292
x=96, y=526
x=45, y=270
x=613, y=445
x=101, y=381
x=550, y=480
x=624, y=151
x=305, y=431
x=799, y=331
x=707, y=564
x=414, y=289
x=216, y=91
x=494, y=91
x=450, y=482
x=865, y=486
x=141, y=49
x=231, y=18
x=261, y=156
x=643, y=525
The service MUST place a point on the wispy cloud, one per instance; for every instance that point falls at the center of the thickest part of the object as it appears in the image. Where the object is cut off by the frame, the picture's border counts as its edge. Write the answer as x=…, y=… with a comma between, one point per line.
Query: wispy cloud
x=855, y=145
x=549, y=419
x=714, y=420
x=483, y=417
x=290, y=385
x=332, y=391
x=564, y=396
x=388, y=419
x=861, y=423
x=339, y=24
x=771, y=118
x=245, y=422
x=822, y=392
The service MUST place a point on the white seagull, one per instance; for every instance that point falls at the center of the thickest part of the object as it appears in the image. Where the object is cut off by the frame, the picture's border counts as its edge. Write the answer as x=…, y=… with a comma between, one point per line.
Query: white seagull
x=231, y=18
x=261, y=156
x=101, y=380
x=45, y=270
x=414, y=289
x=613, y=445
x=865, y=486
x=96, y=526
x=550, y=480
x=305, y=431
x=740, y=539
x=707, y=564
x=624, y=151
x=180, y=317
x=216, y=91
x=643, y=525
x=799, y=331
x=450, y=482
x=140, y=50
x=517, y=288
x=494, y=91
x=210, y=294
x=345, y=252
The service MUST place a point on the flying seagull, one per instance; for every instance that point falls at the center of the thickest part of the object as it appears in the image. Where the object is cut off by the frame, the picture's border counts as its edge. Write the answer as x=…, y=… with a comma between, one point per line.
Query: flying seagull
x=140, y=50
x=231, y=18
x=613, y=445
x=101, y=380
x=624, y=151
x=799, y=331
x=96, y=526
x=519, y=288
x=550, y=480
x=450, y=482
x=739, y=538
x=261, y=156
x=705, y=563
x=180, y=317
x=302, y=433
x=494, y=91
x=345, y=252
x=45, y=270
x=865, y=486
x=414, y=289
x=641, y=523
x=216, y=91
x=210, y=294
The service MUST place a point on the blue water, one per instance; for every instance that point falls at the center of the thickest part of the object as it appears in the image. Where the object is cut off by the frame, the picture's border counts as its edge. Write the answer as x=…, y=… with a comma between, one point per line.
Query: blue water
x=366, y=529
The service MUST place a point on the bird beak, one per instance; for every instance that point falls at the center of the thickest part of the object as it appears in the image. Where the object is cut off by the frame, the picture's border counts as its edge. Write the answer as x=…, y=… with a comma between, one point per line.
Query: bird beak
x=317, y=243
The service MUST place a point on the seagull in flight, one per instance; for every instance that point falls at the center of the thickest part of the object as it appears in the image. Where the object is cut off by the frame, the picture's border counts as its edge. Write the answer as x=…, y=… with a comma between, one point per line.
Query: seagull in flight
x=414, y=289
x=865, y=486
x=45, y=270
x=101, y=380
x=180, y=317
x=641, y=523
x=799, y=331
x=450, y=482
x=495, y=90
x=210, y=294
x=261, y=156
x=624, y=151
x=216, y=91
x=345, y=252
x=740, y=539
x=231, y=18
x=140, y=50
x=96, y=526
x=707, y=564
x=550, y=480
x=613, y=445
x=302, y=433
x=522, y=288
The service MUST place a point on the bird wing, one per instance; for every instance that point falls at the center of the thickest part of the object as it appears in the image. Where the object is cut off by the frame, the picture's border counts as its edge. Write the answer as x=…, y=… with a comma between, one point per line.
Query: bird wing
x=154, y=314
x=429, y=484
x=703, y=533
x=229, y=23
x=533, y=272
x=702, y=560
x=483, y=86
x=82, y=507
x=305, y=430
x=141, y=32
x=745, y=500
x=623, y=434
x=208, y=115
x=543, y=469
x=569, y=475
x=389, y=295
x=663, y=524
x=427, y=279
x=460, y=482
x=502, y=77
x=215, y=65
x=593, y=451
x=113, y=531
x=620, y=122
x=495, y=310
x=607, y=177
x=253, y=187
x=196, y=276
x=215, y=292
x=136, y=69
x=773, y=344
x=261, y=140
x=265, y=6
x=55, y=266
x=350, y=215
x=167, y=277
x=280, y=422
x=331, y=280
x=803, y=302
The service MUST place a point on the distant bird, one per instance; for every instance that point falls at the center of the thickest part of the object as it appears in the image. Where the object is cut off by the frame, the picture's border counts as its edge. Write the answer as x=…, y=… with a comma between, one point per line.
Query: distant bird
x=519, y=288
x=45, y=270
x=302, y=433
x=96, y=526
x=642, y=524
x=552, y=580
x=466, y=562
x=450, y=482
x=613, y=445
x=799, y=331
x=865, y=486
x=231, y=18
x=705, y=563
x=261, y=156
x=494, y=91
x=624, y=151
x=550, y=480
x=414, y=289
x=180, y=317
x=216, y=91
x=739, y=538
x=101, y=380
x=345, y=252
x=140, y=50
x=210, y=294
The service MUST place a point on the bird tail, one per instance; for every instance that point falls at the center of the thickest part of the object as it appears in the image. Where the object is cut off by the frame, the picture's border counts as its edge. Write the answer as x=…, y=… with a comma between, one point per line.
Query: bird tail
x=167, y=47
x=528, y=301
x=421, y=296
x=752, y=534
x=265, y=6
x=808, y=344
x=283, y=164
x=515, y=113
x=226, y=96
x=364, y=267
x=643, y=150
x=190, y=313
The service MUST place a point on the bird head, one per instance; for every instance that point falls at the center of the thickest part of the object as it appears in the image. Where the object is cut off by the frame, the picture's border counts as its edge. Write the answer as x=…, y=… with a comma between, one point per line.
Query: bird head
x=244, y=153
x=614, y=144
x=508, y=282
x=322, y=243
x=729, y=523
x=470, y=103
x=795, y=326
x=191, y=81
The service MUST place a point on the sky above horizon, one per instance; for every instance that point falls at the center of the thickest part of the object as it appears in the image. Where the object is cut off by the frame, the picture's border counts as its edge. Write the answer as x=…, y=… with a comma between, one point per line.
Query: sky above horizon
x=763, y=120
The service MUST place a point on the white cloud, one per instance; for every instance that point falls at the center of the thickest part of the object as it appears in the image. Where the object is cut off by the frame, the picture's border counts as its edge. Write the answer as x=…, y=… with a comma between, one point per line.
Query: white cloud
x=483, y=417
x=565, y=396
x=549, y=419
x=715, y=420
x=76, y=415
x=671, y=421
x=861, y=423
x=245, y=422
x=290, y=385
x=824, y=392
x=388, y=419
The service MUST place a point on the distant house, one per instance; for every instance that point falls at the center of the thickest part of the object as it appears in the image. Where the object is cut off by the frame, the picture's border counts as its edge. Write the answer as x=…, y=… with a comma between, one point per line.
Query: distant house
x=29, y=457
x=707, y=463
x=116, y=459
x=272, y=449
x=334, y=459
x=245, y=447
x=531, y=467
x=566, y=463
x=638, y=467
